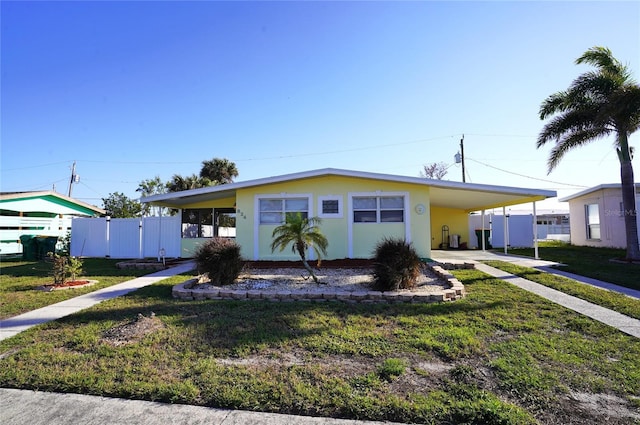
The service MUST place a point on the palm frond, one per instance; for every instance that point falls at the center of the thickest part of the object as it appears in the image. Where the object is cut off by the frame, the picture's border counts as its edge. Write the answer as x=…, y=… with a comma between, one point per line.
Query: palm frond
x=571, y=141
x=553, y=104
x=576, y=120
x=301, y=233
x=603, y=59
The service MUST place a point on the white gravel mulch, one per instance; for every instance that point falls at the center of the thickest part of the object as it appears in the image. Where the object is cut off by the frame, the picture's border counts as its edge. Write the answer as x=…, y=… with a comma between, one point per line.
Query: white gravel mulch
x=335, y=279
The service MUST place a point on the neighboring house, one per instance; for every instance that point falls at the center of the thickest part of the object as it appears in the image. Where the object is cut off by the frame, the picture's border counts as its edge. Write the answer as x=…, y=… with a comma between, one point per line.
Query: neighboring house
x=597, y=216
x=44, y=213
x=358, y=209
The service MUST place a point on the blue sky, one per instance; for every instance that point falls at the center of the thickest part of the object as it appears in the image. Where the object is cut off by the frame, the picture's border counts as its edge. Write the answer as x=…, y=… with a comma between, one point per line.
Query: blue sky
x=131, y=90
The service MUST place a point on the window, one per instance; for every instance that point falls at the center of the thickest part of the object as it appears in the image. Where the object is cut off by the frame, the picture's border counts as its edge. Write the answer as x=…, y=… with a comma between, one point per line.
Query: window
x=593, y=221
x=330, y=206
x=197, y=223
x=378, y=209
x=274, y=211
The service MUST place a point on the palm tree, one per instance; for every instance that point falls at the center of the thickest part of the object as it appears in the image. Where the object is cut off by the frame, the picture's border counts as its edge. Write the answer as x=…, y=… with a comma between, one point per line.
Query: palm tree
x=179, y=183
x=302, y=233
x=599, y=103
x=220, y=171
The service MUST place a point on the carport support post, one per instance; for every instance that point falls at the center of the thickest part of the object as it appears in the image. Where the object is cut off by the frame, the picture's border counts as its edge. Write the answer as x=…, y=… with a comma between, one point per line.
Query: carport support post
x=535, y=233
x=504, y=225
x=483, y=243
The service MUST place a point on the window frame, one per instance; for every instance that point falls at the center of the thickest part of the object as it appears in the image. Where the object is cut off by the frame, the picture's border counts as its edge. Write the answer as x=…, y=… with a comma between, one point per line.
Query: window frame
x=380, y=210
x=591, y=226
x=322, y=199
x=199, y=222
x=283, y=211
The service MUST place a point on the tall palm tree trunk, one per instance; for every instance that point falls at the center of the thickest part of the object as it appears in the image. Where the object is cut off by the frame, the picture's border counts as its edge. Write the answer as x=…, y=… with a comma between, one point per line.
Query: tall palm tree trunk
x=629, y=200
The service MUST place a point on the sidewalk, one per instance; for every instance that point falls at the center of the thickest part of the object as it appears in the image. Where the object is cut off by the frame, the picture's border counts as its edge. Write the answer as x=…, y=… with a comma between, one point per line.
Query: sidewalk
x=19, y=407
x=15, y=325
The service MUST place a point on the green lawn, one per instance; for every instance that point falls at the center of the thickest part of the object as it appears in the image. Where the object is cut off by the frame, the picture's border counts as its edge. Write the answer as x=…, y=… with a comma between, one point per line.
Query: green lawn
x=499, y=356
x=609, y=299
x=19, y=281
x=588, y=261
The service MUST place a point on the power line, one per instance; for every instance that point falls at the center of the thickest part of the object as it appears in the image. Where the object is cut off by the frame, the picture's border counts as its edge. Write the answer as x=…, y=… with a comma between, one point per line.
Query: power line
x=36, y=166
x=525, y=176
x=241, y=159
x=345, y=150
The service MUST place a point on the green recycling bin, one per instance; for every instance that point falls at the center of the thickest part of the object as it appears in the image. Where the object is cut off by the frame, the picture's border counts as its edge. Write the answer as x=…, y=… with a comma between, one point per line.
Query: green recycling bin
x=46, y=244
x=487, y=233
x=29, y=247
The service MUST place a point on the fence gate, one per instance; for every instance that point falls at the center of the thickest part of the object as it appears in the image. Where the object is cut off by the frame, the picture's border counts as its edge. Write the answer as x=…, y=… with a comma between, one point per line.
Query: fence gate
x=125, y=237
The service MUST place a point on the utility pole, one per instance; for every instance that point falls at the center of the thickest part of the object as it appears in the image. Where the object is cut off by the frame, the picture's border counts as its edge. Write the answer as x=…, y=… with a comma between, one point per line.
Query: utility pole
x=462, y=155
x=74, y=178
x=459, y=157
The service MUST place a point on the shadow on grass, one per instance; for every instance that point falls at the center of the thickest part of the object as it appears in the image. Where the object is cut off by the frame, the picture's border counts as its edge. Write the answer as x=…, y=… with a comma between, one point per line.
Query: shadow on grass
x=237, y=326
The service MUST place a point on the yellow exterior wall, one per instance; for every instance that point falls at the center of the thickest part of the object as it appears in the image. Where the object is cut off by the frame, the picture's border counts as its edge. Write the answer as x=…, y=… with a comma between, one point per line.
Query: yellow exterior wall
x=457, y=220
x=364, y=236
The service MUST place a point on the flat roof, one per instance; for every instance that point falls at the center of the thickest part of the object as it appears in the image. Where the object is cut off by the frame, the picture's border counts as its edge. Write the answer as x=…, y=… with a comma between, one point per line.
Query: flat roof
x=595, y=189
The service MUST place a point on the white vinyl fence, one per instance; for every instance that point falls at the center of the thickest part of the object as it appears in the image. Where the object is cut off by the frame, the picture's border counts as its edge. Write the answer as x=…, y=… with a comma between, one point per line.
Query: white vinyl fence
x=126, y=237
x=519, y=230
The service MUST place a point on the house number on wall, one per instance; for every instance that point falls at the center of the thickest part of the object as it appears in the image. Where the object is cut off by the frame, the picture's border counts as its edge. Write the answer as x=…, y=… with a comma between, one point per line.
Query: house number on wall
x=420, y=209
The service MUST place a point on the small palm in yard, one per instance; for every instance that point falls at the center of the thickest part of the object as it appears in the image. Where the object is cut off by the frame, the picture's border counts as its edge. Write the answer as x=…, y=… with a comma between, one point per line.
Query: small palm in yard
x=301, y=233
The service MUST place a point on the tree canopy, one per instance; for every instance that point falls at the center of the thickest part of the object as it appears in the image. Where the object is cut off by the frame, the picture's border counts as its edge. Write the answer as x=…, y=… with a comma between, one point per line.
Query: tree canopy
x=219, y=171
x=150, y=187
x=599, y=103
x=436, y=170
x=118, y=205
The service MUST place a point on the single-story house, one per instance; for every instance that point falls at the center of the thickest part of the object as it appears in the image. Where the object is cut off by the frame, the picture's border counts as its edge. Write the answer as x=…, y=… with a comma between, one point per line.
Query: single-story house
x=358, y=209
x=597, y=216
x=42, y=213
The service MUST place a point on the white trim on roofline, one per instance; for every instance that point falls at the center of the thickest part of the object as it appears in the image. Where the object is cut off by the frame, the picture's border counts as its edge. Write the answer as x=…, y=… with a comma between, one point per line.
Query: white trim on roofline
x=348, y=173
x=595, y=189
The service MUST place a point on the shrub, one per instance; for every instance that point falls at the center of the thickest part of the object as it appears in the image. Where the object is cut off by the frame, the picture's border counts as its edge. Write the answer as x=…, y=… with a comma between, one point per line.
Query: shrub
x=220, y=259
x=396, y=265
x=64, y=267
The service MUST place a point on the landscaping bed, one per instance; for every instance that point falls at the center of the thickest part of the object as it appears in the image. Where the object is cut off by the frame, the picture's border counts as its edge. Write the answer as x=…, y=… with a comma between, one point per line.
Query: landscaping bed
x=339, y=280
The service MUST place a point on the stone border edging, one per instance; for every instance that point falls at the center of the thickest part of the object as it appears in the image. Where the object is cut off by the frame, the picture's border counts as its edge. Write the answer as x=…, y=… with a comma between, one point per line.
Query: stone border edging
x=455, y=291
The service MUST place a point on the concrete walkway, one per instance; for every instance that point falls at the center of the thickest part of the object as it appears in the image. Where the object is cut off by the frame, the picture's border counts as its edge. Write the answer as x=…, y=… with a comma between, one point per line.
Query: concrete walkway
x=15, y=325
x=19, y=407
x=473, y=256
x=594, y=282
x=619, y=321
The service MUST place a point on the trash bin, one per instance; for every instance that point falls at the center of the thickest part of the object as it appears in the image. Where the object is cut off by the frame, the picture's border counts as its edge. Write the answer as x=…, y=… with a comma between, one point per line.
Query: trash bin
x=29, y=247
x=46, y=244
x=479, y=233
